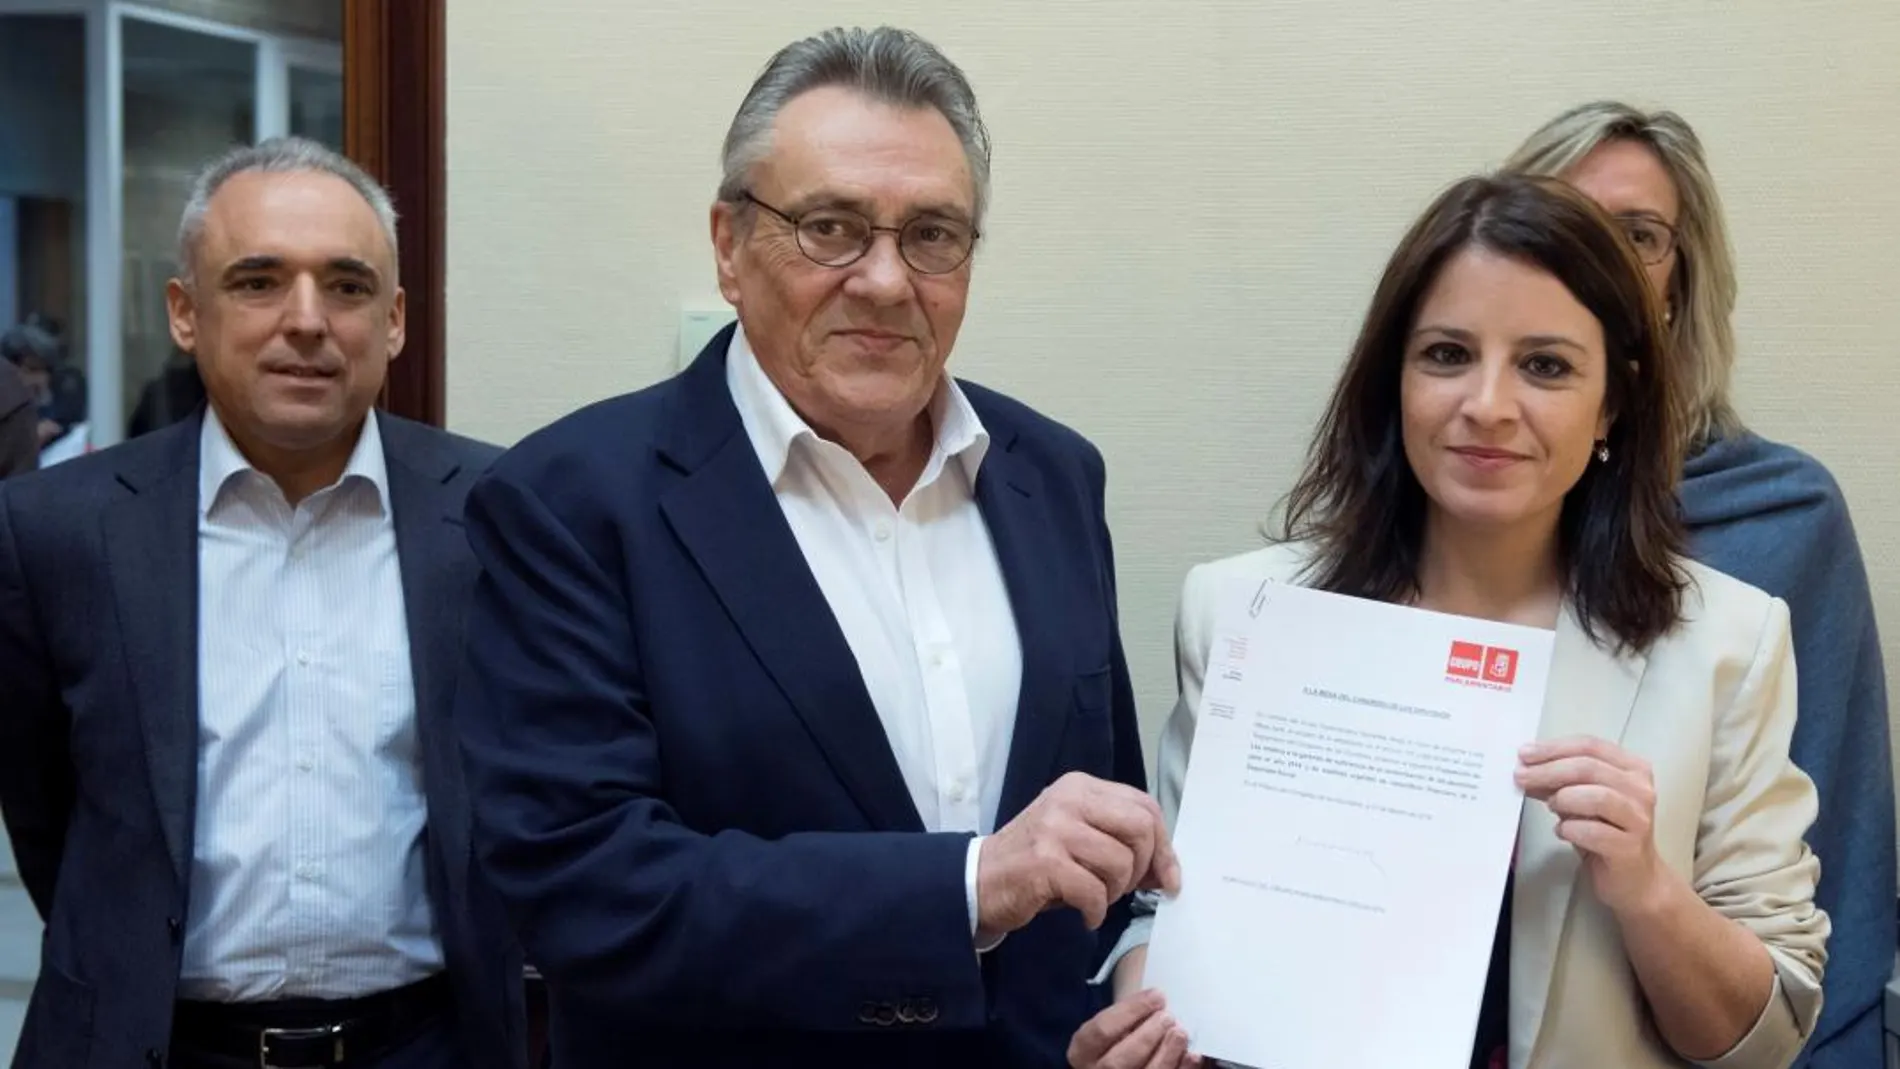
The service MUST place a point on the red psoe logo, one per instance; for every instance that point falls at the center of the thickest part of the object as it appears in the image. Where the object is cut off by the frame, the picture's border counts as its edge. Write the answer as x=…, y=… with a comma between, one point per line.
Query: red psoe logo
x=1492, y=666
x=1500, y=666
x=1467, y=660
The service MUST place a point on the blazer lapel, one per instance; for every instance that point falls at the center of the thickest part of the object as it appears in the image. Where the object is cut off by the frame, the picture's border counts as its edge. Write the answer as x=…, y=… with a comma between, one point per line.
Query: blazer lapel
x=1008, y=492
x=151, y=543
x=1591, y=692
x=725, y=515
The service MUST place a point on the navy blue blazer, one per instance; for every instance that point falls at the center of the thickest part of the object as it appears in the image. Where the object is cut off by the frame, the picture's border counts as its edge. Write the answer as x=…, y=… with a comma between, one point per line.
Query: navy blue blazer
x=682, y=790
x=99, y=736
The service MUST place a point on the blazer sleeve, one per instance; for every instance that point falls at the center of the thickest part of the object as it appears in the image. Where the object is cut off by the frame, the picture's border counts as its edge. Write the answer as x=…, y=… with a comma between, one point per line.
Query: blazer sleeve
x=1193, y=636
x=1129, y=767
x=1752, y=863
x=618, y=902
x=1806, y=551
x=36, y=778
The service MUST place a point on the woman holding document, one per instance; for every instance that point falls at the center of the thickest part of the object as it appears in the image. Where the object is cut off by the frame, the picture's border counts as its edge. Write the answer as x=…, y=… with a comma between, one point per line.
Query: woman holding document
x=1504, y=444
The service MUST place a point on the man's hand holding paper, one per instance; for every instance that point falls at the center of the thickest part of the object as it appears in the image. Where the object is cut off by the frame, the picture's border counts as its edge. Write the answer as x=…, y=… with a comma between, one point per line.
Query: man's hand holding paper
x=1083, y=843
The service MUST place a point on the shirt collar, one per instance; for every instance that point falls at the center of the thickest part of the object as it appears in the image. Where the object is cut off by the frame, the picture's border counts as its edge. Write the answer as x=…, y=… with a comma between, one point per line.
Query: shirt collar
x=220, y=462
x=774, y=426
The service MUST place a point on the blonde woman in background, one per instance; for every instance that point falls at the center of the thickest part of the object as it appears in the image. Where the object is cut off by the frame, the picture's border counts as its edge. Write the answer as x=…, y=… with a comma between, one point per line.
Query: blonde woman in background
x=1771, y=516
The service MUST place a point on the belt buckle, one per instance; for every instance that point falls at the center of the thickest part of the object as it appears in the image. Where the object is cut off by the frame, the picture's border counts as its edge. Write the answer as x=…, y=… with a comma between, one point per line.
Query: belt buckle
x=334, y=1032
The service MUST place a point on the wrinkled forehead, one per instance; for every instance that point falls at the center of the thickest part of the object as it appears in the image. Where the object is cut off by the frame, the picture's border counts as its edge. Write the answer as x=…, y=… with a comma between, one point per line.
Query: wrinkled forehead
x=838, y=144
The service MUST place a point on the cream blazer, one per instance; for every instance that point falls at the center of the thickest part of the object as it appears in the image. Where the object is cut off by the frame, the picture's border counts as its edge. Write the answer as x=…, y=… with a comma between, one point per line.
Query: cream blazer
x=1711, y=707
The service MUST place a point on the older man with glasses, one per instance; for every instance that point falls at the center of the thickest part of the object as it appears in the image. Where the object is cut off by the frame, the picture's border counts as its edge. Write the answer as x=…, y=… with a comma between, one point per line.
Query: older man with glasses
x=795, y=713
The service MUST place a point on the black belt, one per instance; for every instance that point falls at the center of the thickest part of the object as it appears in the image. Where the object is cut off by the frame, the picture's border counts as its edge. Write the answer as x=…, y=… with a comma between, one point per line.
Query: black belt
x=311, y=1033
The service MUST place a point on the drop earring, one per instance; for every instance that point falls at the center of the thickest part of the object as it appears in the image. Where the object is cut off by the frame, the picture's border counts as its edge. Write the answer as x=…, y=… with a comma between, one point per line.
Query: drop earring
x=1603, y=450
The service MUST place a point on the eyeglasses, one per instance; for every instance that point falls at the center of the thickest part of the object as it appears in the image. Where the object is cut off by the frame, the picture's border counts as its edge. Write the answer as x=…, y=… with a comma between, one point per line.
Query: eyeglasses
x=1652, y=238
x=839, y=237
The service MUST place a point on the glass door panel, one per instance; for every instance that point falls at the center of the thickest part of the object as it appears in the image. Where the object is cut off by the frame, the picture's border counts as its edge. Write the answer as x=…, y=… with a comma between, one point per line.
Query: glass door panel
x=188, y=96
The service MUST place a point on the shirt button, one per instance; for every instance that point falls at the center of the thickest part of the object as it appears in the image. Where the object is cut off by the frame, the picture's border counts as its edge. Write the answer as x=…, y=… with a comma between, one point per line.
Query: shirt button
x=304, y=764
x=303, y=657
x=960, y=791
x=306, y=871
x=883, y=532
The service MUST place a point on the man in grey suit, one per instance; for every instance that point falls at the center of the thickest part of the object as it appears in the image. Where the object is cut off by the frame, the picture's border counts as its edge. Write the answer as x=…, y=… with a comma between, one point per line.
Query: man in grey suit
x=227, y=651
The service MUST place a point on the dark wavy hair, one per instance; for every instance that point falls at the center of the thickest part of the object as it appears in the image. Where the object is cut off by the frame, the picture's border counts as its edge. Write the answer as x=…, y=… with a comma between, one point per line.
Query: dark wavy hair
x=1621, y=539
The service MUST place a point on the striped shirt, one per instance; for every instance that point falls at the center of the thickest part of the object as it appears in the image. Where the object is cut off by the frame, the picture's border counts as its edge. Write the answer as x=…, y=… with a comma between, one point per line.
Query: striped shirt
x=307, y=869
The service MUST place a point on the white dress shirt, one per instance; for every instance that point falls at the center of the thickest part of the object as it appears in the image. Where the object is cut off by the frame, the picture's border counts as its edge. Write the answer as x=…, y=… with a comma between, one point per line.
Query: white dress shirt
x=917, y=590
x=307, y=873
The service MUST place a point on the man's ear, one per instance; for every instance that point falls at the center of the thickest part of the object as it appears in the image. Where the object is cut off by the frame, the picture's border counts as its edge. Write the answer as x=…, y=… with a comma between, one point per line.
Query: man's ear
x=728, y=237
x=398, y=322
x=181, y=313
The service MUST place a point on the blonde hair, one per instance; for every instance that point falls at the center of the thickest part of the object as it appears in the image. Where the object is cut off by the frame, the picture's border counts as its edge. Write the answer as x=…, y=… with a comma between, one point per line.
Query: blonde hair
x=1701, y=297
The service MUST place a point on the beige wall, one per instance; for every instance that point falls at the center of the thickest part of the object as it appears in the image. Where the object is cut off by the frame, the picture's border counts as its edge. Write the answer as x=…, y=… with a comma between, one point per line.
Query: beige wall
x=1193, y=200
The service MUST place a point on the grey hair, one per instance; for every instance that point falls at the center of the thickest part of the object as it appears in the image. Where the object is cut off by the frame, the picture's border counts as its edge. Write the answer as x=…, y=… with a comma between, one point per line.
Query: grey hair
x=888, y=65
x=1702, y=296
x=278, y=155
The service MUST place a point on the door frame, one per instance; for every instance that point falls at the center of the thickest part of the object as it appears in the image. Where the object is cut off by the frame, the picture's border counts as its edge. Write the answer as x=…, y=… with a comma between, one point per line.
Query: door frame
x=393, y=107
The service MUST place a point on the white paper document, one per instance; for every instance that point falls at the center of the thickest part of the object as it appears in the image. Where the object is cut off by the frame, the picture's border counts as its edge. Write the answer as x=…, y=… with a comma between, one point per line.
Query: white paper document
x=1345, y=830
